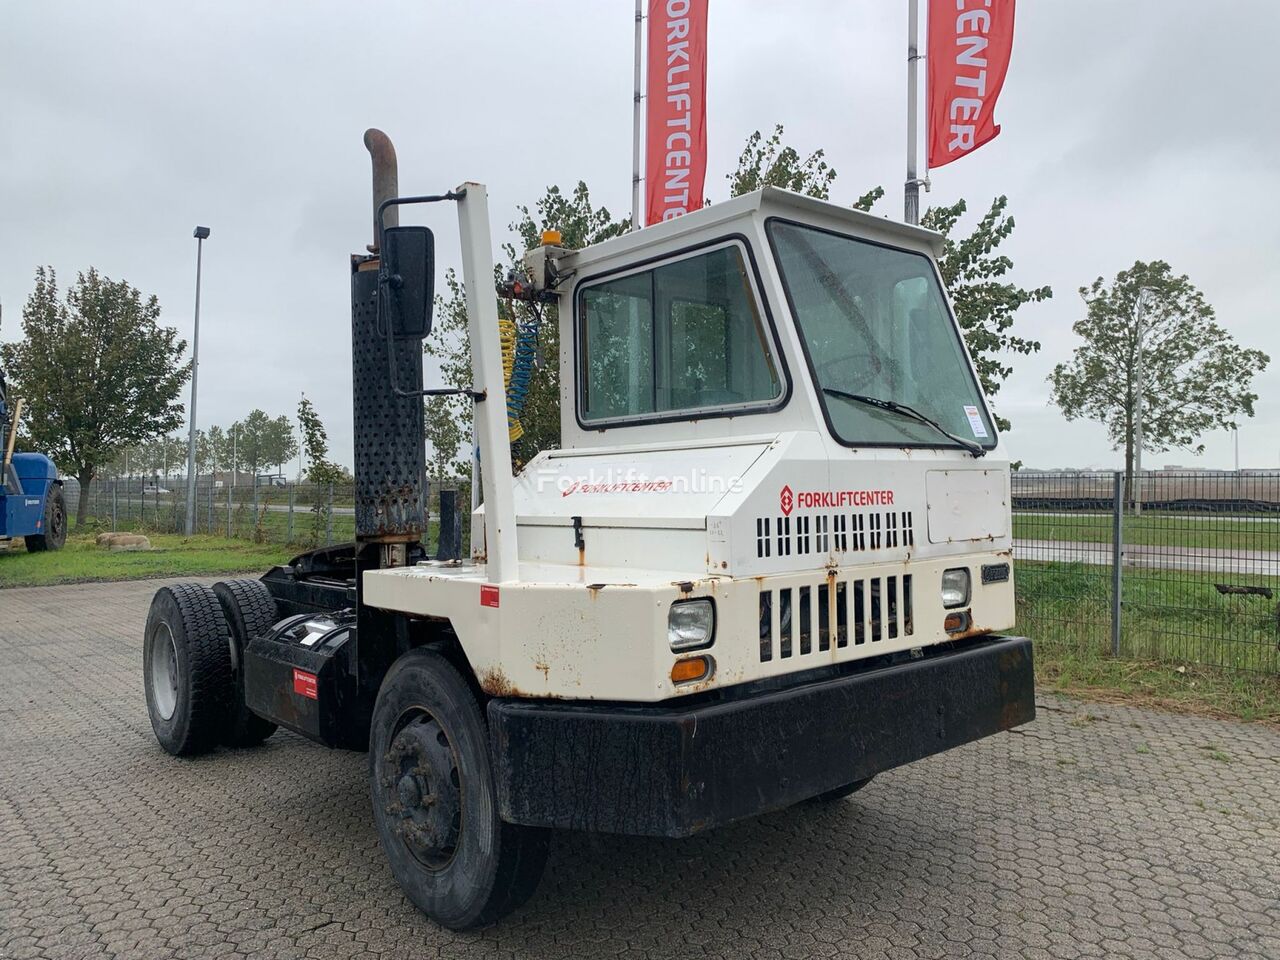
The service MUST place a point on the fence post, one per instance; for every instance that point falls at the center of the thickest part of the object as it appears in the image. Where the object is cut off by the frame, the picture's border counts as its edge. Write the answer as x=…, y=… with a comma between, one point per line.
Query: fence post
x=229, y=489
x=289, y=535
x=1117, y=559
x=115, y=502
x=328, y=522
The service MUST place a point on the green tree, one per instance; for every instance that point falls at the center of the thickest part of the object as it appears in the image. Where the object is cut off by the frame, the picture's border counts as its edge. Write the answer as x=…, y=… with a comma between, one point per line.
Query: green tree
x=100, y=372
x=315, y=445
x=263, y=441
x=1194, y=376
x=173, y=455
x=281, y=445
x=767, y=163
x=321, y=471
x=448, y=419
x=581, y=224
x=985, y=300
x=218, y=444
x=204, y=452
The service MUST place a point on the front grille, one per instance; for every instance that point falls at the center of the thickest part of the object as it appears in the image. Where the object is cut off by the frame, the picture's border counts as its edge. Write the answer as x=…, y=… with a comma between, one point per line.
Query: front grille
x=800, y=620
x=820, y=534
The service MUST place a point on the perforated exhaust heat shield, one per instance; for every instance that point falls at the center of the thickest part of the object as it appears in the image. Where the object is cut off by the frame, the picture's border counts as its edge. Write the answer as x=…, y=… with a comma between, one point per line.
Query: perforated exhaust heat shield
x=390, y=445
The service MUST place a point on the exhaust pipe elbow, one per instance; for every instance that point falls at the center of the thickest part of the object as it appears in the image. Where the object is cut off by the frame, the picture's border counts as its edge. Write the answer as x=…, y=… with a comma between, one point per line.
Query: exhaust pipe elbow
x=385, y=179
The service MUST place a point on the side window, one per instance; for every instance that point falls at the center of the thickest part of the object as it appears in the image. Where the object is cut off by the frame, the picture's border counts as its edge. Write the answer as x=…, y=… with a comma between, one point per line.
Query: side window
x=686, y=335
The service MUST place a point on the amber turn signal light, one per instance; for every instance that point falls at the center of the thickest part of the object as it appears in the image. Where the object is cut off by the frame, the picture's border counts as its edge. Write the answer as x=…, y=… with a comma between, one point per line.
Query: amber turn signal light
x=956, y=622
x=691, y=669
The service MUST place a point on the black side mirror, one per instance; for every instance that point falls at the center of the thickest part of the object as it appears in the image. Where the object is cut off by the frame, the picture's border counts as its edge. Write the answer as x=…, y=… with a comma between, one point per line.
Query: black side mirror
x=408, y=280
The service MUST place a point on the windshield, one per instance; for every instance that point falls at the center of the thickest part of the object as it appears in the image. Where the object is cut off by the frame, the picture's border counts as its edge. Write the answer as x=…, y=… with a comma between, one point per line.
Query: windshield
x=875, y=323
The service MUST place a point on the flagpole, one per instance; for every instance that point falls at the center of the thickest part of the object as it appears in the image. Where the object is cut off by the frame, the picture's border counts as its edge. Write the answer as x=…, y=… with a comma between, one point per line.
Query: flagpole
x=635, y=122
x=911, y=204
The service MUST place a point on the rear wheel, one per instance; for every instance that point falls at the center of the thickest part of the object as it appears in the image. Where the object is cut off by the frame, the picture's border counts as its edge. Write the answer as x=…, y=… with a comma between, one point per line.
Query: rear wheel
x=55, y=522
x=250, y=610
x=186, y=666
x=434, y=801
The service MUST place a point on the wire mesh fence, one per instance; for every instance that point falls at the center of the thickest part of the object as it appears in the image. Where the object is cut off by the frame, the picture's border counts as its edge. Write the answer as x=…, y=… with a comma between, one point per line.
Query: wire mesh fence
x=1183, y=567
x=299, y=514
x=1177, y=566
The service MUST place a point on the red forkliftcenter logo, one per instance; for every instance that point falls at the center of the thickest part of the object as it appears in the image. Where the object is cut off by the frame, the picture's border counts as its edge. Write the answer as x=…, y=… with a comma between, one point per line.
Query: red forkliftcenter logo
x=788, y=499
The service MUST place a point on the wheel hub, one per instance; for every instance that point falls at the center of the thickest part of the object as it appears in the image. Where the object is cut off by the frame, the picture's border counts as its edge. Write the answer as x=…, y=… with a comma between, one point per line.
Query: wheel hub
x=420, y=784
x=165, y=678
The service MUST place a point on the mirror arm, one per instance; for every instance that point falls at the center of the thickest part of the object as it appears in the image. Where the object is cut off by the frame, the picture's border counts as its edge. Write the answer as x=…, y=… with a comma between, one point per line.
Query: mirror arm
x=402, y=201
x=479, y=396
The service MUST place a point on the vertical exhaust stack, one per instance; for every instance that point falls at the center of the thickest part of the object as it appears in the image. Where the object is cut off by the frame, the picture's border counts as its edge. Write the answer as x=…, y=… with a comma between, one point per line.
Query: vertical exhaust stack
x=390, y=442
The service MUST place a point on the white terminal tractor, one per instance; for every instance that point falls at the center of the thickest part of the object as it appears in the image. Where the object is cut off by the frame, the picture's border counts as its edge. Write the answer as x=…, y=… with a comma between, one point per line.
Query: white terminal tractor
x=770, y=558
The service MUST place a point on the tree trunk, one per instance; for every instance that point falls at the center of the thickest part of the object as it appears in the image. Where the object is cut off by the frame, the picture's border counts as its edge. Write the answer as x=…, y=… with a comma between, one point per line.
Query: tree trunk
x=84, y=477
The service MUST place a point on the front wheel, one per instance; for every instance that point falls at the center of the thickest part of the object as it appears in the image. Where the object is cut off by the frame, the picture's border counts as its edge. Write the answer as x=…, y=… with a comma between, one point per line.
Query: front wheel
x=434, y=800
x=55, y=522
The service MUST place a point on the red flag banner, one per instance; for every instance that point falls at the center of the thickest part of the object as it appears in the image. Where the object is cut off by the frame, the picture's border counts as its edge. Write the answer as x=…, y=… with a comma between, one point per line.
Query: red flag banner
x=968, y=55
x=676, y=108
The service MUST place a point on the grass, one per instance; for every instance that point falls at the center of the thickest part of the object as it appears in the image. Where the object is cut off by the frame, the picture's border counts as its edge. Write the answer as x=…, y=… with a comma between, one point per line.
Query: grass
x=1205, y=691
x=1237, y=534
x=1169, y=615
x=1183, y=645
x=81, y=560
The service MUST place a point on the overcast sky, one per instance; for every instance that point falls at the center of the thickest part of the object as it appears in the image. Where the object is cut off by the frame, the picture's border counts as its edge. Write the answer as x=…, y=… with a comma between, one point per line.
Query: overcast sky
x=1135, y=130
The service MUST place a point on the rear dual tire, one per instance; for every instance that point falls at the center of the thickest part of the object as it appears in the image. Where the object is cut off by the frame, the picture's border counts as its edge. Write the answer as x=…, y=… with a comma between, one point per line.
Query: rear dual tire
x=250, y=611
x=435, y=803
x=186, y=668
x=192, y=664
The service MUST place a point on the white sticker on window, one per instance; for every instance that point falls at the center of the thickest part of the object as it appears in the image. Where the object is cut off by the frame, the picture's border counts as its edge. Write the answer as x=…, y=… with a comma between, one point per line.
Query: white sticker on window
x=975, y=421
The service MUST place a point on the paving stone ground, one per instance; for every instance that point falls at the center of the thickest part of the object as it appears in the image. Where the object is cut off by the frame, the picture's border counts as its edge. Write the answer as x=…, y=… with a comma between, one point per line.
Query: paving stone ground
x=1094, y=832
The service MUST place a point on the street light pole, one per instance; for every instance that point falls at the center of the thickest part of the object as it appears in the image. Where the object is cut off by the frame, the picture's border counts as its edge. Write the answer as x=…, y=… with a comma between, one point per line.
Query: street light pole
x=201, y=234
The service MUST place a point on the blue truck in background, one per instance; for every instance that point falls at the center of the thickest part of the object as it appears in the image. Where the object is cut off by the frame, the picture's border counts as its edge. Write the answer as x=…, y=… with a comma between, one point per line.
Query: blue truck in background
x=32, y=504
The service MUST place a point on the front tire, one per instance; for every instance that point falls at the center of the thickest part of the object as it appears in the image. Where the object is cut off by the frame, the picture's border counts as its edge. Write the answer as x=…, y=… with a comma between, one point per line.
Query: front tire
x=250, y=611
x=55, y=523
x=186, y=668
x=434, y=800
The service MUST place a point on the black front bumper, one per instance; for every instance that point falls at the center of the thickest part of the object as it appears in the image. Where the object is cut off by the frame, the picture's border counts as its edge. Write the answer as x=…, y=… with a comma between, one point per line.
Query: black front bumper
x=674, y=770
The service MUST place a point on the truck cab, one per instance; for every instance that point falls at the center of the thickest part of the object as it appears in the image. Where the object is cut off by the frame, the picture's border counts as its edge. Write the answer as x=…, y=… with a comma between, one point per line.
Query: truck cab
x=770, y=559
x=718, y=474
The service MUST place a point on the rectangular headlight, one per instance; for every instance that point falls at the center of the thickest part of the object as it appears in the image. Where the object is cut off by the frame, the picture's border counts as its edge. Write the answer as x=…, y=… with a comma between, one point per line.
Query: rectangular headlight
x=691, y=624
x=955, y=587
